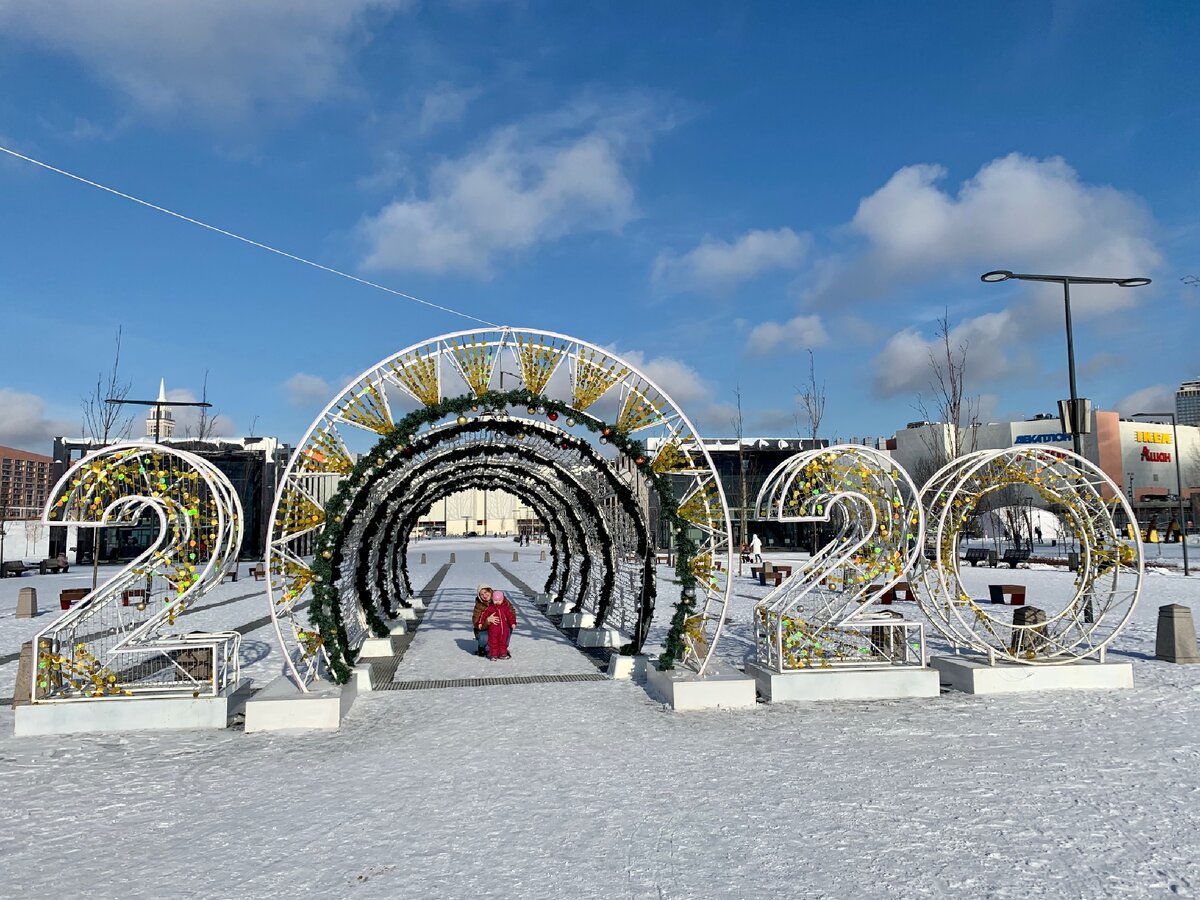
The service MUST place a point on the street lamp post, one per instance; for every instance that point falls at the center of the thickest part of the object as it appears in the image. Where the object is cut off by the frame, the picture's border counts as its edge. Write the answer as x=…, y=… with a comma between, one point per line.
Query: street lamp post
x=1066, y=281
x=1178, y=478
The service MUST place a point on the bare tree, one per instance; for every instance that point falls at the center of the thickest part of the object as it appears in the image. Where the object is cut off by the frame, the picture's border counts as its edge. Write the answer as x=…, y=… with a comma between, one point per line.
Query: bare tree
x=951, y=406
x=206, y=426
x=812, y=399
x=737, y=423
x=105, y=422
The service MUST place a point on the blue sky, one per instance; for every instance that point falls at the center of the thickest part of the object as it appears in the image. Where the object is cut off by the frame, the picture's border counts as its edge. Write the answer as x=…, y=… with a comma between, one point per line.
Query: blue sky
x=712, y=189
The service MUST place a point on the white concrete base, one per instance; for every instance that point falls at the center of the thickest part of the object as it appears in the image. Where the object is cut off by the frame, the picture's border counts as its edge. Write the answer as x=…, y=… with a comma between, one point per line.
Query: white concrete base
x=684, y=690
x=361, y=677
x=407, y=614
x=281, y=707
x=540, y=600
x=126, y=714
x=397, y=626
x=557, y=608
x=578, y=620
x=973, y=675
x=417, y=602
x=376, y=648
x=599, y=637
x=627, y=668
x=844, y=684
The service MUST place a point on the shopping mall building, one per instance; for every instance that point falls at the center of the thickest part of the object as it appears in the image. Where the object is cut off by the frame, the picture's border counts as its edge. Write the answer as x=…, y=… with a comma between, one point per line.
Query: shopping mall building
x=1139, y=456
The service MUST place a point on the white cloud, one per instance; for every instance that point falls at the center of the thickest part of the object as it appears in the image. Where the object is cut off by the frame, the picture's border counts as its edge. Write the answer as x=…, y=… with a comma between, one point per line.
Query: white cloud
x=717, y=265
x=800, y=333
x=903, y=365
x=1155, y=398
x=307, y=390
x=25, y=425
x=220, y=60
x=444, y=105
x=1016, y=212
x=538, y=181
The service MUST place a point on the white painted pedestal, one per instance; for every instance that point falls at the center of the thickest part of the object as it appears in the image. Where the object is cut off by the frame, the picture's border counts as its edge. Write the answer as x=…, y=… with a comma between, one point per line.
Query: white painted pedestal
x=557, y=608
x=541, y=600
x=973, y=675
x=843, y=684
x=407, y=614
x=376, y=648
x=603, y=636
x=127, y=714
x=361, y=677
x=684, y=690
x=280, y=706
x=627, y=667
x=578, y=620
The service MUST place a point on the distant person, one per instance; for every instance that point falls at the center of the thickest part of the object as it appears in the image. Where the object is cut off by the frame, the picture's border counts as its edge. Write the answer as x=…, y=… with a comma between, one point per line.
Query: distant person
x=756, y=547
x=1037, y=532
x=497, y=620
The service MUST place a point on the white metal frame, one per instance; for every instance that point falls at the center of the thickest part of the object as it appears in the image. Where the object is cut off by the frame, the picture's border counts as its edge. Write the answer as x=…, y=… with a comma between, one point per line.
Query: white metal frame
x=478, y=359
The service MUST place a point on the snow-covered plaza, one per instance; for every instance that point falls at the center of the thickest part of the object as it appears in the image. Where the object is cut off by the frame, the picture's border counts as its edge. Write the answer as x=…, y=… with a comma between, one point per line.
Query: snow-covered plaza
x=588, y=787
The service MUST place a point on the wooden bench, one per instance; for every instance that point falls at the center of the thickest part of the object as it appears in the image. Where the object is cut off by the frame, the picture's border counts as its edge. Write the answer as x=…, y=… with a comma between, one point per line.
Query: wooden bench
x=259, y=572
x=232, y=574
x=53, y=566
x=663, y=558
x=901, y=590
x=768, y=572
x=14, y=567
x=1012, y=556
x=138, y=594
x=72, y=595
x=976, y=555
x=1013, y=594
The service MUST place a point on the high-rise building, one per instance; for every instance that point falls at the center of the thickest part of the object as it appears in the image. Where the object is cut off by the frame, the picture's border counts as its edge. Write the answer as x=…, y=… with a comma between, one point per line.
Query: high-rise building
x=24, y=483
x=1187, y=403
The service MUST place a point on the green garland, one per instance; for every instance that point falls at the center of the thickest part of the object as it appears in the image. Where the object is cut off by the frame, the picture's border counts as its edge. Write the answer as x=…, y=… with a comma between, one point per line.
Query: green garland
x=325, y=610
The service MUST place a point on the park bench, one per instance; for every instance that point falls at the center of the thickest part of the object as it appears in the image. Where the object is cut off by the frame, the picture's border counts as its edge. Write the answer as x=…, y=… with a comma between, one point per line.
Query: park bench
x=232, y=574
x=72, y=595
x=14, y=567
x=976, y=555
x=901, y=590
x=1012, y=594
x=49, y=566
x=1012, y=556
x=136, y=594
x=663, y=558
x=768, y=572
x=259, y=571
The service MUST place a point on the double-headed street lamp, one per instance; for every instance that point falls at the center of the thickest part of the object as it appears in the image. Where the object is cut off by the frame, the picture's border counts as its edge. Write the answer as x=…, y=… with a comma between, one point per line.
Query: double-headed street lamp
x=1075, y=417
x=1178, y=478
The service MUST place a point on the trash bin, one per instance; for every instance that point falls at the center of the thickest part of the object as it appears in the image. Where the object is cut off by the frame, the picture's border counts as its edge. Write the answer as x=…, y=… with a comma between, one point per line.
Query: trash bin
x=1073, y=561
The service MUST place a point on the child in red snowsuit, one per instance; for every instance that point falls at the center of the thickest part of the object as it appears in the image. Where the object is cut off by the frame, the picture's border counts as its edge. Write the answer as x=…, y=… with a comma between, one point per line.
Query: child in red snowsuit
x=498, y=632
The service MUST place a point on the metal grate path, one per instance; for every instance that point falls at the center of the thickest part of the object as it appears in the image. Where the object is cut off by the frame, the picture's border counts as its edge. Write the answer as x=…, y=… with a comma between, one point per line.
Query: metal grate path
x=484, y=682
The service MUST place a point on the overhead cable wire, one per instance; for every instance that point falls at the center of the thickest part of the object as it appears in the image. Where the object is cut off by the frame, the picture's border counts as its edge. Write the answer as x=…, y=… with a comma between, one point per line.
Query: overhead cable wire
x=244, y=240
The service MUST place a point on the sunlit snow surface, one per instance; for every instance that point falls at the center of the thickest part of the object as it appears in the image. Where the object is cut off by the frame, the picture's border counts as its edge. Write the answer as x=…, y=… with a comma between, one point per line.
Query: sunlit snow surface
x=593, y=790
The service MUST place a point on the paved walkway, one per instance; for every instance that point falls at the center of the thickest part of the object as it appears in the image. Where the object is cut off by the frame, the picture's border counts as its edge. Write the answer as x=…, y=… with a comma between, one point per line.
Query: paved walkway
x=443, y=646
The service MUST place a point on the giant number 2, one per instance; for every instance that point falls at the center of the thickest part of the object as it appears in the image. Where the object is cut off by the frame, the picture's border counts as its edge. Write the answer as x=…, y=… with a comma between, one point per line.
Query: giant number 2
x=874, y=509
x=114, y=641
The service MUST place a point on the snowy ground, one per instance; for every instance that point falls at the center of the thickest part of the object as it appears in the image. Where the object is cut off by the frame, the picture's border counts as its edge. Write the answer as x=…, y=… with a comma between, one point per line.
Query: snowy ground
x=591, y=789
